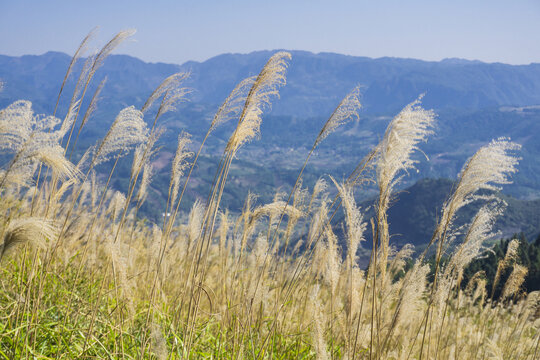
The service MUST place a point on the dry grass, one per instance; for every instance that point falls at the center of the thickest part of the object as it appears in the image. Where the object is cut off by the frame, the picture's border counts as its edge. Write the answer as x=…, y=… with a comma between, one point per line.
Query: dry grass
x=273, y=281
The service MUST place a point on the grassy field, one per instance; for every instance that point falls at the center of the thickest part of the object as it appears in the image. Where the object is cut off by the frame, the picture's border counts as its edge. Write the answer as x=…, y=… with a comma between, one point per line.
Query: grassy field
x=83, y=276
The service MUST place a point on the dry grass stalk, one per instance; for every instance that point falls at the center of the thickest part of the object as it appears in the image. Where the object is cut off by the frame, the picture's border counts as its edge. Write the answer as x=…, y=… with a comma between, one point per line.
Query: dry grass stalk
x=32, y=231
x=169, y=86
x=179, y=165
x=265, y=86
x=127, y=131
x=202, y=293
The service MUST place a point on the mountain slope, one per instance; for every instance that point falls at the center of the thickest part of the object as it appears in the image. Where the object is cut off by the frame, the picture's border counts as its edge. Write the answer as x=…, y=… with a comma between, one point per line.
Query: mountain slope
x=468, y=97
x=412, y=216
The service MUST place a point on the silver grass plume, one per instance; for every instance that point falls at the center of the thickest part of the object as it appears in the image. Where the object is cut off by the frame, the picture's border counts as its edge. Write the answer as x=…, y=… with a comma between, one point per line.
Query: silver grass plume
x=233, y=104
x=263, y=89
x=53, y=157
x=84, y=77
x=80, y=88
x=246, y=219
x=223, y=231
x=272, y=210
x=319, y=220
x=81, y=85
x=145, y=181
x=144, y=152
x=26, y=230
x=169, y=85
x=195, y=220
x=93, y=103
x=511, y=252
x=80, y=51
x=179, y=164
x=476, y=286
x=69, y=119
x=93, y=189
x=317, y=332
x=171, y=99
x=515, y=280
x=478, y=233
x=117, y=203
x=347, y=110
x=320, y=187
x=490, y=166
x=410, y=127
x=258, y=293
x=332, y=263
x=83, y=46
x=127, y=131
x=138, y=159
x=85, y=158
x=412, y=295
x=91, y=65
x=509, y=258
x=33, y=139
x=16, y=125
x=19, y=174
x=472, y=246
x=354, y=220
x=109, y=47
x=155, y=246
x=86, y=188
x=399, y=258
x=118, y=254
x=63, y=189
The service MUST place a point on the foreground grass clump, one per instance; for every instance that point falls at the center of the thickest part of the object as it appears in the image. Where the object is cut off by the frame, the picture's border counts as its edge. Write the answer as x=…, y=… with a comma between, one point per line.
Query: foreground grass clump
x=83, y=277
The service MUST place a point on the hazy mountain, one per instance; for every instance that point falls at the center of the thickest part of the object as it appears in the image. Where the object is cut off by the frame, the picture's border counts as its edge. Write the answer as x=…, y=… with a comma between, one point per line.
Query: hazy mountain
x=315, y=82
x=475, y=103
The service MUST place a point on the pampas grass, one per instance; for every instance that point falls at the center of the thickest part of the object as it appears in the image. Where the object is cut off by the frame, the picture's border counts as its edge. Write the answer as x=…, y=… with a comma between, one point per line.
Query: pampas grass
x=169, y=86
x=15, y=124
x=347, y=110
x=274, y=280
x=491, y=166
x=179, y=164
x=22, y=231
x=127, y=131
x=80, y=52
x=264, y=87
x=514, y=282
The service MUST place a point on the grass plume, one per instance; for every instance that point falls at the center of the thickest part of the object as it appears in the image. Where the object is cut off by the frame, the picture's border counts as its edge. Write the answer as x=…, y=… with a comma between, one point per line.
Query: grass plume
x=214, y=283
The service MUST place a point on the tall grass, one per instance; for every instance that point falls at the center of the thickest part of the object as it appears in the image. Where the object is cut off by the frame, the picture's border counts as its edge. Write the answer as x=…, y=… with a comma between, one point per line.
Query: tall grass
x=83, y=277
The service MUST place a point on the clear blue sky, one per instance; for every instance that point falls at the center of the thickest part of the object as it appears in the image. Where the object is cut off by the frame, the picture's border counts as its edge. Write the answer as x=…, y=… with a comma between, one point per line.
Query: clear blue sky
x=176, y=31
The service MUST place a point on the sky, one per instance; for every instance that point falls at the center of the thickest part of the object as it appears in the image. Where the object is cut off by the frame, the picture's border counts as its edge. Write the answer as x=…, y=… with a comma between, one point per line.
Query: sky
x=171, y=31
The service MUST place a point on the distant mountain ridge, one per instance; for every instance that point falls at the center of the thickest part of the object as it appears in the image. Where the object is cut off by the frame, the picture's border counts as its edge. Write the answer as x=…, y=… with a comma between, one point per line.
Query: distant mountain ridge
x=315, y=82
x=475, y=103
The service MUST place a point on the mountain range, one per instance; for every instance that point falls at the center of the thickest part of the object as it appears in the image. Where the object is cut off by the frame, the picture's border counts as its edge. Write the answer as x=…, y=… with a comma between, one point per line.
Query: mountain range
x=315, y=82
x=475, y=102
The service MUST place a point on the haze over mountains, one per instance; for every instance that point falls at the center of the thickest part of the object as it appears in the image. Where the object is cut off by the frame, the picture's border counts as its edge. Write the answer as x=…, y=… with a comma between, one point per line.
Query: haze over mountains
x=475, y=102
x=315, y=82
